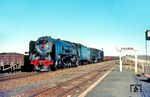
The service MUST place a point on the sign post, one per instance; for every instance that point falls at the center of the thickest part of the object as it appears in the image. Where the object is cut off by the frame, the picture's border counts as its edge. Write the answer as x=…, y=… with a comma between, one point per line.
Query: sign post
x=135, y=62
x=147, y=38
x=120, y=56
x=120, y=62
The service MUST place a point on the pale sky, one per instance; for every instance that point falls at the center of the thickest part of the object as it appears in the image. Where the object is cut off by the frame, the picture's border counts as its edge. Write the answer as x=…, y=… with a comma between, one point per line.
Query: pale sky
x=100, y=24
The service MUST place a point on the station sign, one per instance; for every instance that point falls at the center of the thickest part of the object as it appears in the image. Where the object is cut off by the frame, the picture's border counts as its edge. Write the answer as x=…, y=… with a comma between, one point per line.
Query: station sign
x=147, y=34
x=126, y=49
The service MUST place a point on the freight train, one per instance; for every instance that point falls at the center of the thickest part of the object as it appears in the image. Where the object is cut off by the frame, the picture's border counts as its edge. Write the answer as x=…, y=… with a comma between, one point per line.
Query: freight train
x=11, y=61
x=49, y=54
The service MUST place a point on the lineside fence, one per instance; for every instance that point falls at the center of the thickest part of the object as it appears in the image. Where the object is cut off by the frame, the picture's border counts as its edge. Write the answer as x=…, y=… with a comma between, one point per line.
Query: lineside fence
x=141, y=63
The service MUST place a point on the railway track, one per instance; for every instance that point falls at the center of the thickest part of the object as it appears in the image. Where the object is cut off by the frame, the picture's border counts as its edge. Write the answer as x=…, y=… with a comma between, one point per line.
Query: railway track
x=69, y=87
x=15, y=76
x=19, y=75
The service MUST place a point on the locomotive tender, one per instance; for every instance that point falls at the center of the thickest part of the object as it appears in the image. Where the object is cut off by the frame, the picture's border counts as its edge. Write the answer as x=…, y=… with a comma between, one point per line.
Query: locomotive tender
x=47, y=53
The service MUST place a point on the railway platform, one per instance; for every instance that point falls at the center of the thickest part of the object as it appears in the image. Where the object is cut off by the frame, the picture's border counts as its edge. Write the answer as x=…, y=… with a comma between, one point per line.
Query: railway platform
x=121, y=84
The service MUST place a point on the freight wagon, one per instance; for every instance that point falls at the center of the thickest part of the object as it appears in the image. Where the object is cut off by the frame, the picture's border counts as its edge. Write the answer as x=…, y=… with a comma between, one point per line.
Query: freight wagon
x=11, y=61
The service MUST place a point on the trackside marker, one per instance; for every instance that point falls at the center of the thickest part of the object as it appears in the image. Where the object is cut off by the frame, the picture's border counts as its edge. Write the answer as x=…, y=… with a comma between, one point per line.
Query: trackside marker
x=95, y=84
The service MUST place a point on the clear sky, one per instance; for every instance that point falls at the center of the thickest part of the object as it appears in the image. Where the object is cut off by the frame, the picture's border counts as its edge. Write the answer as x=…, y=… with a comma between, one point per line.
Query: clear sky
x=103, y=24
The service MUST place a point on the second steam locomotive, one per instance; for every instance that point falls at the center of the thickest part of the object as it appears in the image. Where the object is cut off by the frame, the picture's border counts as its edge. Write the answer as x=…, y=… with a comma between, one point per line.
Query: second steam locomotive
x=49, y=54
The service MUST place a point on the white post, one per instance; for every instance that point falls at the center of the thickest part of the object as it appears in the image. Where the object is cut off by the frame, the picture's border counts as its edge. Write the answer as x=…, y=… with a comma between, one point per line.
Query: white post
x=120, y=62
x=135, y=62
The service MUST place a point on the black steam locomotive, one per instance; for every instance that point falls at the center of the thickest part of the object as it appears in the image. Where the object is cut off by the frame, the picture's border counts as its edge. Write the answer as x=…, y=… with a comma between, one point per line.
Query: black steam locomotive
x=49, y=54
